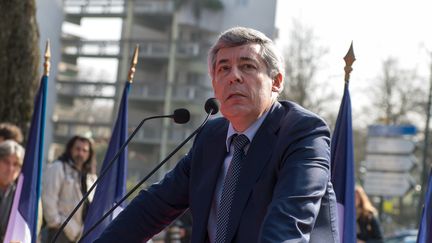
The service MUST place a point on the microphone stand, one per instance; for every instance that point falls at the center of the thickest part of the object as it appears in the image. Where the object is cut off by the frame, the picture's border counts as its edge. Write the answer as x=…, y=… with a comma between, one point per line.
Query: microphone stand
x=147, y=177
x=102, y=174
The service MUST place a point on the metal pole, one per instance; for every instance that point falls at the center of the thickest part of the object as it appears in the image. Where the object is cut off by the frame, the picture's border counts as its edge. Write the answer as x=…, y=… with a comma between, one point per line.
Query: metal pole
x=168, y=92
x=424, y=174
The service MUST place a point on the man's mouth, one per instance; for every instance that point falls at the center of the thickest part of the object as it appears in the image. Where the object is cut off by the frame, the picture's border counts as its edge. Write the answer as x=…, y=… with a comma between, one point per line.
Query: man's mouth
x=235, y=95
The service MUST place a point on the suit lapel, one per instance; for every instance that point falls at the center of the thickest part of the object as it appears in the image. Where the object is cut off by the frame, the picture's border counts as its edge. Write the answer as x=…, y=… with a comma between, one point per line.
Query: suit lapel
x=256, y=159
x=213, y=156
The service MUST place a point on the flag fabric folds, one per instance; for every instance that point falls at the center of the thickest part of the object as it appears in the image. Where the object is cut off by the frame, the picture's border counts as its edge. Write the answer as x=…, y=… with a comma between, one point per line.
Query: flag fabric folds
x=23, y=219
x=342, y=164
x=425, y=228
x=112, y=187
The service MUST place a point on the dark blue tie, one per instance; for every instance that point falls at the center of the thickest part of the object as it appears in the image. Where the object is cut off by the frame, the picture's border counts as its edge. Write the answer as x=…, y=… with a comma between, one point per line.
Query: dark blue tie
x=229, y=188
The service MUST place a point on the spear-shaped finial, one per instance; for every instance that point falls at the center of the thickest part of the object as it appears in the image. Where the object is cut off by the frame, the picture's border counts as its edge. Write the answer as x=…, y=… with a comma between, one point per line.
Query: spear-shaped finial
x=349, y=60
x=134, y=62
x=47, y=56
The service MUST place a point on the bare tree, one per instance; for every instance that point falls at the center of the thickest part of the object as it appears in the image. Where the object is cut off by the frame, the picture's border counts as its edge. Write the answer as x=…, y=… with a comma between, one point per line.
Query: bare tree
x=397, y=96
x=19, y=61
x=302, y=58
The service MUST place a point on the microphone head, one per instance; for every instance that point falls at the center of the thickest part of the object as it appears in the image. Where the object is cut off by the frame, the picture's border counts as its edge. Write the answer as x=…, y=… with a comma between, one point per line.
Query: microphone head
x=181, y=116
x=211, y=105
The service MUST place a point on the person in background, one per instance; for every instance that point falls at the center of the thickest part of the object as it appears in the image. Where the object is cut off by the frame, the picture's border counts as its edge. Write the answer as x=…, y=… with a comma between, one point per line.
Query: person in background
x=11, y=160
x=65, y=181
x=10, y=131
x=368, y=226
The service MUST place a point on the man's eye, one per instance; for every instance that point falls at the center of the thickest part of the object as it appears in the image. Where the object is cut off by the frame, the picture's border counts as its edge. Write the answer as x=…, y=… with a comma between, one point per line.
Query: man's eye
x=223, y=68
x=249, y=66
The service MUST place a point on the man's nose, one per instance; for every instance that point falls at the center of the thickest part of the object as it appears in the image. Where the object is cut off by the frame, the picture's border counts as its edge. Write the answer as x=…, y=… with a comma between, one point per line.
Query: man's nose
x=235, y=75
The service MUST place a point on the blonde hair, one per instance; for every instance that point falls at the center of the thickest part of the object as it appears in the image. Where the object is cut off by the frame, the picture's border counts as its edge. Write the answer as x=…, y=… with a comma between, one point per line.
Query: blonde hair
x=365, y=207
x=10, y=147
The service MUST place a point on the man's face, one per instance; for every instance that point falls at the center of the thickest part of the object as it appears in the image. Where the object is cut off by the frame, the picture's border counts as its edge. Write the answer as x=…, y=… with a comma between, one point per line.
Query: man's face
x=10, y=168
x=242, y=85
x=80, y=151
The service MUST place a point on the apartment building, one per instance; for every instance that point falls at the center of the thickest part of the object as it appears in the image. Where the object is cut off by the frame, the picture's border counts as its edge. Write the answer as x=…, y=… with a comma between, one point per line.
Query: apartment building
x=173, y=38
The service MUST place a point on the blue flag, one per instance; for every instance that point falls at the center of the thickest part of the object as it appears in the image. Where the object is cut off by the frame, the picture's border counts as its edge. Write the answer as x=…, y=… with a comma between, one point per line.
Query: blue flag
x=22, y=225
x=342, y=164
x=425, y=228
x=112, y=187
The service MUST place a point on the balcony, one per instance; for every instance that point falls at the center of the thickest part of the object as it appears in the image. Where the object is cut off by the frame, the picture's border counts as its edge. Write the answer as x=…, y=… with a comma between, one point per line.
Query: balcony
x=148, y=134
x=91, y=48
x=65, y=129
x=156, y=92
x=156, y=7
x=148, y=48
x=94, y=8
x=151, y=134
x=71, y=89
x=116, y=8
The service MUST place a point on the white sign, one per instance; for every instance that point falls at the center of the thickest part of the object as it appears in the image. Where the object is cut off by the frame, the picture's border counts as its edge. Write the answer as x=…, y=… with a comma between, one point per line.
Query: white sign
x=390, y=162
x=389, y=145
x=387, y=183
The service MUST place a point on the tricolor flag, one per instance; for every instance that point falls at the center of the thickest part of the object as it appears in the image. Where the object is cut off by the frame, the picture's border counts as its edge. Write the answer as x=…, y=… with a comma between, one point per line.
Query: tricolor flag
x=22, y=225
x=425, y=228
x=342, y=164
x=112, y=187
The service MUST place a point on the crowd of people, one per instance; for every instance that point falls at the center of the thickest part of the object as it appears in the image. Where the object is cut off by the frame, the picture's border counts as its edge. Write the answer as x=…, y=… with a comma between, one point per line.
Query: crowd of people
x=260, y=173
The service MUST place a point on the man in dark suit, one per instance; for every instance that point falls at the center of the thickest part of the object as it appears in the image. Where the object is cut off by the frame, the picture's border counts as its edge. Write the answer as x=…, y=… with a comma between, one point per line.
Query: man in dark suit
x=259, y=174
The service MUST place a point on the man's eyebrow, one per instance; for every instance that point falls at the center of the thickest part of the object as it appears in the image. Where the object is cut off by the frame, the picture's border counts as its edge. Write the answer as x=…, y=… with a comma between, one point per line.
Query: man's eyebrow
x=245, y=58
x=222, y=61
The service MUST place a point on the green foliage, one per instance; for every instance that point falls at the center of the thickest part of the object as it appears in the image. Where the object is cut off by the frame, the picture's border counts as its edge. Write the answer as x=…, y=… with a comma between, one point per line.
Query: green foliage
x=19, y=61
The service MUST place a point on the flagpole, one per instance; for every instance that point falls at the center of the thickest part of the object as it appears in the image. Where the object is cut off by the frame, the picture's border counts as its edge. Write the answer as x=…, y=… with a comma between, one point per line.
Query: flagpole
x=47, y=63
x=47, y=67
x=349, y=60
x=134, y=62
x=342, y=160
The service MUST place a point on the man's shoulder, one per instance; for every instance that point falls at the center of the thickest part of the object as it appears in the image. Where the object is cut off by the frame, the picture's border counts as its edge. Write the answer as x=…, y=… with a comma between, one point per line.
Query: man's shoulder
x=295, y=110
x=297, y=117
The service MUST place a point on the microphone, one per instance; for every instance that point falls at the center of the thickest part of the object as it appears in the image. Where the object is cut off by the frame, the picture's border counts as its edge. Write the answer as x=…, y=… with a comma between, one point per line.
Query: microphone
x=211, y=107
x=180, y=116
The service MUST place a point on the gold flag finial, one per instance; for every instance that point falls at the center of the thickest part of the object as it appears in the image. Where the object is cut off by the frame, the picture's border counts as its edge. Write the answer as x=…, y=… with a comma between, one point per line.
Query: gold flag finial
x=47, y=63
x=133, y=64
x=349, y=60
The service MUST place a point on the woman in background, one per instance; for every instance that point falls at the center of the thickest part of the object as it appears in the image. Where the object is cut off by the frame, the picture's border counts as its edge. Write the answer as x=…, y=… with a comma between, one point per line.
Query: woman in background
x=368, y=226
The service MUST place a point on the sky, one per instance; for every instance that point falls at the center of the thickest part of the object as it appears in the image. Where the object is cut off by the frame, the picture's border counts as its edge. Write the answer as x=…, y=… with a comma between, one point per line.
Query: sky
x=378, y=29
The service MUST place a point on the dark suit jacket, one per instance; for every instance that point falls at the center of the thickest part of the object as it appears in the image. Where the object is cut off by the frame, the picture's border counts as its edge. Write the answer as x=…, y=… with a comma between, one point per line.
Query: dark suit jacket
x=284, y=195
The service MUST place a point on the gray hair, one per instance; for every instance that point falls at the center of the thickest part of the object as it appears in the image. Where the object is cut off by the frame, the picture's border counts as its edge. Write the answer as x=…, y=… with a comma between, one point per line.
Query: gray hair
x=10, y=147
x=238, y=36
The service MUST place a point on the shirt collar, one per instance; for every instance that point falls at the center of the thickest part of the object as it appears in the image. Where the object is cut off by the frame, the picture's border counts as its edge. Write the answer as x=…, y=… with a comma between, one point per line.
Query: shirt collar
x=249, y=132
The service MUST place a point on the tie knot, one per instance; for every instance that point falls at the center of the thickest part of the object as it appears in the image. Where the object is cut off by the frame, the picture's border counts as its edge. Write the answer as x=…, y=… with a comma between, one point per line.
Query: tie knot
x=240, y=141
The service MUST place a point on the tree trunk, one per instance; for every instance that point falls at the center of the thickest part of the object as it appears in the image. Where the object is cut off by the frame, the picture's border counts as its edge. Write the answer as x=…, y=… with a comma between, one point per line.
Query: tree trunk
x=19, y=61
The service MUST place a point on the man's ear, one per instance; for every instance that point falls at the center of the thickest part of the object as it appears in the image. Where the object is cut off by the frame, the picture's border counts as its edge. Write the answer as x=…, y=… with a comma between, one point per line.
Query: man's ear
x=277, y=85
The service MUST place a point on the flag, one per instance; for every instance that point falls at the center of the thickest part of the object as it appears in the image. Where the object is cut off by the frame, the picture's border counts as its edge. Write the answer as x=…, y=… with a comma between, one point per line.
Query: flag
x=23, y=219
x=342, y=164
x=425, y=228
x=112, y=187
